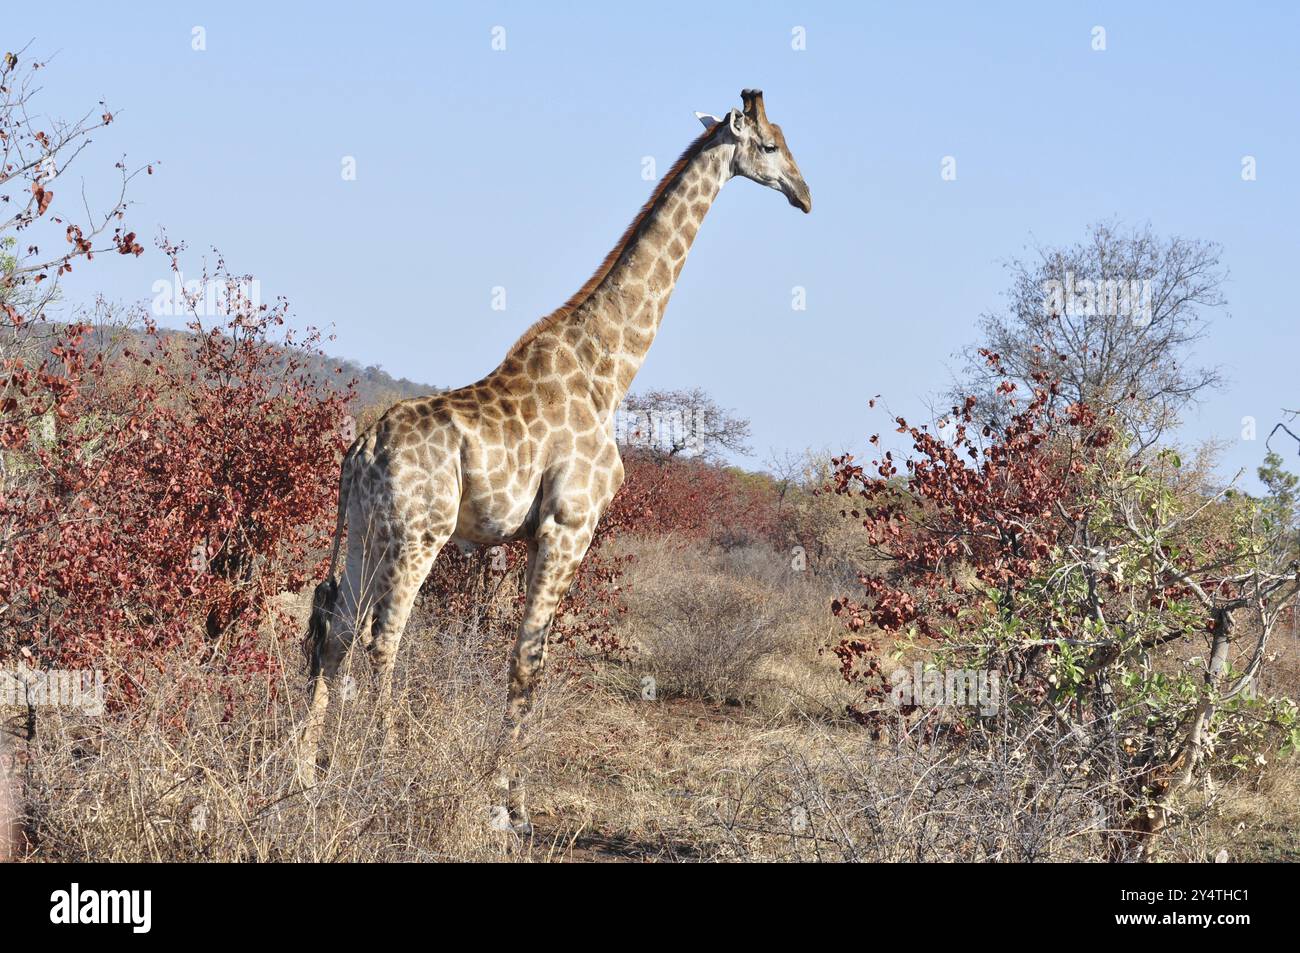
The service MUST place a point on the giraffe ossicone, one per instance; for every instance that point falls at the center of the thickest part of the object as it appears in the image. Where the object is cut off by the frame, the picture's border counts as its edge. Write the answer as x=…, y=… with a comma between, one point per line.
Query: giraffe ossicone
x=528, y=452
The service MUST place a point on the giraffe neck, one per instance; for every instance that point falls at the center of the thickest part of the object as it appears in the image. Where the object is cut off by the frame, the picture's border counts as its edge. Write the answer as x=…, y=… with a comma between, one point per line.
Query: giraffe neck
x=608, y=327
x=628, y=305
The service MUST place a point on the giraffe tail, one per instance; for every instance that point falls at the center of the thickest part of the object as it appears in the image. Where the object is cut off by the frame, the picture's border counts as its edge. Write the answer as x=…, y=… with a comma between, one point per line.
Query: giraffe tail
x=327, y=592
x=318, y=627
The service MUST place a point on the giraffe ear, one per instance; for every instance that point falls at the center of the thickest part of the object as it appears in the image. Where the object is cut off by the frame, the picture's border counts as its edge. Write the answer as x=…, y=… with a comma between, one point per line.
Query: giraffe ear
x=708, y=120
x=736, y=119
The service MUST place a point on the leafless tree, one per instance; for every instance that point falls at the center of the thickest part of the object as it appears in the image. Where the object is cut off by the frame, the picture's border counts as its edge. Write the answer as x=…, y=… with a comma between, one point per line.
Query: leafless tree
x=672, y=422
x=39, y=238
x=1115, y=317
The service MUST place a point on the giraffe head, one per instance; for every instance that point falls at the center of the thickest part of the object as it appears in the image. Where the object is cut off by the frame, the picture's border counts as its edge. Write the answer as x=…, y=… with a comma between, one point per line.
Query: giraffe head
x=761, y=150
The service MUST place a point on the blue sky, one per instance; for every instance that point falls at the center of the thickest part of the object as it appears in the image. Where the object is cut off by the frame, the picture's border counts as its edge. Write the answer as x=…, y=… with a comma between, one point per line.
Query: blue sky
x=479, y=168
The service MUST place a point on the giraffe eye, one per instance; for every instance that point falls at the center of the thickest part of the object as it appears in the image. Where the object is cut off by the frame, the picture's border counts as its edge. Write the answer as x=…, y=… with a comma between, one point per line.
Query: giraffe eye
x=769, y=149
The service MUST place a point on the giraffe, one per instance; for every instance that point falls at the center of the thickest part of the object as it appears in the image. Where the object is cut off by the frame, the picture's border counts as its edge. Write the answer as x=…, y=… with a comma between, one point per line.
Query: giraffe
x=528, y=452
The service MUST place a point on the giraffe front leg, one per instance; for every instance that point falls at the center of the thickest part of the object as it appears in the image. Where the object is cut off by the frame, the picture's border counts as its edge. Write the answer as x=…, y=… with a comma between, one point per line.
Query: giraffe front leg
x=553, y=563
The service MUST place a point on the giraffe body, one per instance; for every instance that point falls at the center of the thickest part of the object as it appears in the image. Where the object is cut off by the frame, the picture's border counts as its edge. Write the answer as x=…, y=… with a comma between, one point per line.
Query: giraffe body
x=528, y=452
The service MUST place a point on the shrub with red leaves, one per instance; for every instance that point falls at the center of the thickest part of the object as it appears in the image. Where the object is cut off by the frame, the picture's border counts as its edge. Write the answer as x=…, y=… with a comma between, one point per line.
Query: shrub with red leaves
x=156, y=498
x=1124, y=606
x=975, y=511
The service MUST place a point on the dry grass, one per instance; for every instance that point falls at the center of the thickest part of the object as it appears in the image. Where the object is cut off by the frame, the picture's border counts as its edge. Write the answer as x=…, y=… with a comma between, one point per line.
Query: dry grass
x=742, y=754
x=1255, y=818
x=738, y=626
x=222, y=789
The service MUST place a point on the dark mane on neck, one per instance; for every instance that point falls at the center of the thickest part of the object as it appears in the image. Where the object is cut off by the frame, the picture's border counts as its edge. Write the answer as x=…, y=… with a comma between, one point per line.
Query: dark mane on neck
x=583, y=293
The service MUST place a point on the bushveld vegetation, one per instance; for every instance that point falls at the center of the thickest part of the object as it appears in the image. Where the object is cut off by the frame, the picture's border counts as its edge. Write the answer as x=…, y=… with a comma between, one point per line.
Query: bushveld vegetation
x=736, y=664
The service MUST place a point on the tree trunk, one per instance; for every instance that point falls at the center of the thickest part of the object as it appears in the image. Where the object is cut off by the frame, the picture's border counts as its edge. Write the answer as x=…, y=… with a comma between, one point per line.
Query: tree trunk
x=10, y=795
x=1171, y=780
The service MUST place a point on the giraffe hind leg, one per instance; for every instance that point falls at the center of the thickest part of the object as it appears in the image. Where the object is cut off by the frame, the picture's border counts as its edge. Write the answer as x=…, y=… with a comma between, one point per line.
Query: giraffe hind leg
x=340, y=611
x=407, y=572
x=330, y=634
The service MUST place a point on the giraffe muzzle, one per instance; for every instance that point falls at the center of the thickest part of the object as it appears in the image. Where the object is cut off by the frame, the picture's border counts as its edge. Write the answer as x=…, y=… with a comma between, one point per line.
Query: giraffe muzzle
x=800, y=197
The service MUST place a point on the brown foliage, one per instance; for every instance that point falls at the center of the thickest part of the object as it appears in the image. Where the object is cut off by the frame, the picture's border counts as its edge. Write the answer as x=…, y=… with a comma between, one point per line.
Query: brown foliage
x=156, y=499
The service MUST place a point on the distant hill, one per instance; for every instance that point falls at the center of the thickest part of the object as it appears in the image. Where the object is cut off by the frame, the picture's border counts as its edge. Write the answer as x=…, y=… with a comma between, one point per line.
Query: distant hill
x=375, y=386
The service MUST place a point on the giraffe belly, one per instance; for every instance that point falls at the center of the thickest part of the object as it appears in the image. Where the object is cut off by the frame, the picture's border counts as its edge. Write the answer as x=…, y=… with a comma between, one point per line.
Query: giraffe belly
x=498, y=518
